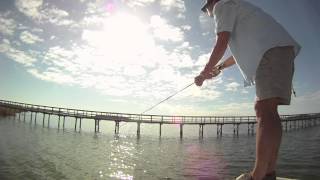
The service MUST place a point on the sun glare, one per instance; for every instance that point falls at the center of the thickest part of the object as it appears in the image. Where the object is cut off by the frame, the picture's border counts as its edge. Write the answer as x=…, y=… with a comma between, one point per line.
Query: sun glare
x=124, y=39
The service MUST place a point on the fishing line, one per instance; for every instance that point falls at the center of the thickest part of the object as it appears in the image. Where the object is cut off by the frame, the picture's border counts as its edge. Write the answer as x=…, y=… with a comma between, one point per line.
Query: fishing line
x=166, y=98
x=215, y=72
x=152, y=107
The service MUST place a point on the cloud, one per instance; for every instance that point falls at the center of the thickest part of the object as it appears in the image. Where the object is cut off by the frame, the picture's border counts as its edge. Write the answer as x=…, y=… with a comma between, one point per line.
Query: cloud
x=232, y=86
x=29, y=38
x=177, y=5
x=164, y=31
x=179, y=109
x=27, y=58
x=110, y=57
x=186, y=27
x=30, y=8
x=236, y=108
x=139, y=3
x=56, y=16
x=53, y=75
x=205, y=94
x=7, y=25
x=43, y=13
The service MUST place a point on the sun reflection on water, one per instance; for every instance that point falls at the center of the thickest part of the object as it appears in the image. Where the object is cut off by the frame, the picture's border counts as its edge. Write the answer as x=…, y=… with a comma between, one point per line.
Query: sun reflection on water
x=122, y=159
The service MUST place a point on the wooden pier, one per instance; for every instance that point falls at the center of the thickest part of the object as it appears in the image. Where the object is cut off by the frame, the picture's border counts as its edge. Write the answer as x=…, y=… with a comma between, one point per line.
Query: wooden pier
x=289, y=122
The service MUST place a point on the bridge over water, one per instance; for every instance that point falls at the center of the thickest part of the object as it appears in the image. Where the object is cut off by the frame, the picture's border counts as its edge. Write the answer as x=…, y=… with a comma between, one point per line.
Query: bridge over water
x=18, y=109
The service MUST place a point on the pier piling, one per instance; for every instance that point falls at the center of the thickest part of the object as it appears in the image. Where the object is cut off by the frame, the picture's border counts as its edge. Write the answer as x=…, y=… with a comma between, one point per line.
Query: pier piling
x=44, y=116
x=201, y=129
x=138, y=129
x=181, y=130
x=160, y=127
x=35, y=118
x=63, y=124
x=117, y=127
x=48, y=120
x=236, y=129
x=75, y=124
x=219, y=129
x=59, y=123
x=31, y=118
x=96, y=125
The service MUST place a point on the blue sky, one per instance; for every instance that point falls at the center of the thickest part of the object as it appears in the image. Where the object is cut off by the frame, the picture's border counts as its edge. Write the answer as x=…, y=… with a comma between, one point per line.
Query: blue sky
x=127, y=55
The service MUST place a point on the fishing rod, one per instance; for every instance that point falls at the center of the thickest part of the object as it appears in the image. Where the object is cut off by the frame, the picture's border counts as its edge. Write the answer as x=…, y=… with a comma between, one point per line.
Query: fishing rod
x=163, y=100
x=167, y=98
x=215, y=72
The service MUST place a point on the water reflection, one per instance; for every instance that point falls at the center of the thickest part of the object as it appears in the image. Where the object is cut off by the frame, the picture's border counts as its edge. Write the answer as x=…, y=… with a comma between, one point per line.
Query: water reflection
x=122, y=158
x=202, y=164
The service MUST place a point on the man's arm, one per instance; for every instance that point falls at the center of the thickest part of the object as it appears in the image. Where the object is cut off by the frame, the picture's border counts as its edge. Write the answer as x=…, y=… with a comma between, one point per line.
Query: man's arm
x=218, y=51
x=216, y=55
x=227, y=63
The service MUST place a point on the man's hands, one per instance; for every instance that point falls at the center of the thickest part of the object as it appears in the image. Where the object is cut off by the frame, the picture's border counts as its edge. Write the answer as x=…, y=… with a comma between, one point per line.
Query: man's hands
x=207, y=74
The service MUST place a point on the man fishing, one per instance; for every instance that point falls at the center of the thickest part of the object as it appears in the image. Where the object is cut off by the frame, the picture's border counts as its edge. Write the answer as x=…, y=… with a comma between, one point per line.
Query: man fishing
x=264, y=52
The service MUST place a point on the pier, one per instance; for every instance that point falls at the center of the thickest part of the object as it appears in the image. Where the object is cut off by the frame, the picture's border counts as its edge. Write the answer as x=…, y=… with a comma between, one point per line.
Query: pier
x=289, y=122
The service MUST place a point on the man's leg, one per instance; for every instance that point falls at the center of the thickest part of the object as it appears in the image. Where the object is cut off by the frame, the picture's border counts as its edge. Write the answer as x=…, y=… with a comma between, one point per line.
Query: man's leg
x=268, y=137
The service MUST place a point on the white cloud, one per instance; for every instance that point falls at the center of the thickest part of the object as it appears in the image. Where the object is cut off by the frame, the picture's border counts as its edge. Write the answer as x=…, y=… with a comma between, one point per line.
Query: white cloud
x=139, y=3
x=164, y=73
x=179, y=109
x=56, y=16
x=205, y=94
x=92, y=21
x=134, y=70
x=186, y=27
x=112, y=60
x=232, y=86
x=53, y=75
x=164, y=31
x=29, y=38
x=30, y=7
x=203, y=60
x=236, y=109
x=22, y=57
x=173, y=4
x=7, y=25
x=42, y=13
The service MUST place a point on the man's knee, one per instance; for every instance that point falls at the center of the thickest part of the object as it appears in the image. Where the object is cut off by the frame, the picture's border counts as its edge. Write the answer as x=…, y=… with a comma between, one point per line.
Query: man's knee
x=267, y=106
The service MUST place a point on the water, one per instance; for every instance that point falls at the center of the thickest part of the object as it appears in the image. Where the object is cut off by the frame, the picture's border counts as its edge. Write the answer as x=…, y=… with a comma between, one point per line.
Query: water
x=29, y=151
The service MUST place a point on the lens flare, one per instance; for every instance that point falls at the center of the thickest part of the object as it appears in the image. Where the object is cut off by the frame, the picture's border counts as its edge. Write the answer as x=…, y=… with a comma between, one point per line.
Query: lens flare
x=110, y=6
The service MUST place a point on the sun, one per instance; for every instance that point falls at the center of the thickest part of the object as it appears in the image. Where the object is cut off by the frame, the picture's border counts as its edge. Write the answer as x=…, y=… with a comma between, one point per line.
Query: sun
x=124, y=38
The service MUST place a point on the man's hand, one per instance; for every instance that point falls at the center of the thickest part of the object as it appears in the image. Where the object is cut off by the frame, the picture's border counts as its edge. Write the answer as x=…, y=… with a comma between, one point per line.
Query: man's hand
x=199, y=80
x=206, y=74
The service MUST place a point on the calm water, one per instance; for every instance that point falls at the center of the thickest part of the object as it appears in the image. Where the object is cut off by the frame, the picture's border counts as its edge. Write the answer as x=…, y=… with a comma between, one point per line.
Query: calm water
x=29, y=151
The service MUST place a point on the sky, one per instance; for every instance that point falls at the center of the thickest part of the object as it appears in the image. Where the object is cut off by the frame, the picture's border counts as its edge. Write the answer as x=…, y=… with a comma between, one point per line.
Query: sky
x=127, y=55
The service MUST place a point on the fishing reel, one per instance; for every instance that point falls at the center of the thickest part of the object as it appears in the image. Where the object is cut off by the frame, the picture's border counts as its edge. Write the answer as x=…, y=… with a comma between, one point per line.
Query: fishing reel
x=213, y=73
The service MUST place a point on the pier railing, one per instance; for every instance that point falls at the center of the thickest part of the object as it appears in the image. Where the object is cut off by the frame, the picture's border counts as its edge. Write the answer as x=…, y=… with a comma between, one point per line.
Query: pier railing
x=144, y=118
x=294, y=121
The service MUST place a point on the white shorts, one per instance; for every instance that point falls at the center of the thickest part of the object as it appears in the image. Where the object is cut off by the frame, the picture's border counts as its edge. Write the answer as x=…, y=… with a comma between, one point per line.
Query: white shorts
x=274, y=75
